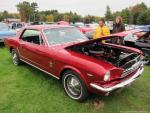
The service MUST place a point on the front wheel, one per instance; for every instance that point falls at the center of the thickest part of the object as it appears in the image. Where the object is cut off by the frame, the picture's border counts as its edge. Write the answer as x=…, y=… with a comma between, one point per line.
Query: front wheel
x=146, y=59
x=74, y=86
x=15, y=57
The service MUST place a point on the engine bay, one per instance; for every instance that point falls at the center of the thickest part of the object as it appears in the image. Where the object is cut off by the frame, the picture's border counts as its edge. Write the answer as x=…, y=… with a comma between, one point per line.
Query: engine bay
x=118, y=57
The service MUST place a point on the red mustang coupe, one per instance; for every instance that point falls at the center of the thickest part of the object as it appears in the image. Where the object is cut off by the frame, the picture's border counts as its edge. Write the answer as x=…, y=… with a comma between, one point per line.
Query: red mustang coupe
x=84, y=66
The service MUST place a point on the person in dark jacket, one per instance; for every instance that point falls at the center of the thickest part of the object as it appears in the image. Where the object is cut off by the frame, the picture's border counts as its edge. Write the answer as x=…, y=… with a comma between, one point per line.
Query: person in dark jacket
x=118, y=26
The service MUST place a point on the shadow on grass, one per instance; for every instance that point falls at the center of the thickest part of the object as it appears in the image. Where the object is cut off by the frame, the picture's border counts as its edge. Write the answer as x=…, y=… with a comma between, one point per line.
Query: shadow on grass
x=37, y=72
x=2, y=45
x=44, y=76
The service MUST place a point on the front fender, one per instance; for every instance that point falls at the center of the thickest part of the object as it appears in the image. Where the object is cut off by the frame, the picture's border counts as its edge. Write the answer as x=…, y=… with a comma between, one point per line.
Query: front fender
x=80, y=72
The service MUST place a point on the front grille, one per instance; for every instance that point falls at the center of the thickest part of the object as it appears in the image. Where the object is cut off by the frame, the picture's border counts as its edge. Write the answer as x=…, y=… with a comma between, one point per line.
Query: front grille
x=137, y=62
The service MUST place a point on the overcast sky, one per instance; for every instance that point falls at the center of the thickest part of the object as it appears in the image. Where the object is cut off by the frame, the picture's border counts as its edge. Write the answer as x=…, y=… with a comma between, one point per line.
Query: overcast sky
x=83, y=7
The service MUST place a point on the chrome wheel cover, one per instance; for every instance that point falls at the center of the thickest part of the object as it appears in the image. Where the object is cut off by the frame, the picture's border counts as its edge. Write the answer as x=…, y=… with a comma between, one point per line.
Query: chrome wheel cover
x=72, y=86
x=15, y=58
x=146, y=59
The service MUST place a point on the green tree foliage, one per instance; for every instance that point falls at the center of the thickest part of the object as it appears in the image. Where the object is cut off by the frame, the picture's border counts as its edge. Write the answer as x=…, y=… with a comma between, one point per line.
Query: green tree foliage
x=144, y=17
x=68, y=16
x=108, y=14
x=125, y=15
x=27, y=10
x=34, y=11
x=137, y=10
x=5, y=14
x=89, y=19
x=138, y=14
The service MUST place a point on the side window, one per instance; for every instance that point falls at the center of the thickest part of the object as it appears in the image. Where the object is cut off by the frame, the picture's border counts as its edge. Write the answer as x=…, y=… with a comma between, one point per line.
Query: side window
x=32, y=36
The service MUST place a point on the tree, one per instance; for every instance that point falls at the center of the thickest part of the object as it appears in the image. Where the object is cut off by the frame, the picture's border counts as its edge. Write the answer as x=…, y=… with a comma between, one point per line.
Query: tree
x=136, y=10
x=134, y=14
x=27, y=10
x=24, y=10
x=5, y=14
x=90, y=19
x=76, y=18
x=34, y=7
x=125, y=14
x=1, y=17
x=42, y=17
x=50, y=18
x=66, y=17
x=144, y=18
x=108, y=14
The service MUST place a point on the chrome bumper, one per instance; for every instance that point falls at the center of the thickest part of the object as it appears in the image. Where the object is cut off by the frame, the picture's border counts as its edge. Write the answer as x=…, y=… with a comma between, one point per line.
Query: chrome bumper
x=120, y=85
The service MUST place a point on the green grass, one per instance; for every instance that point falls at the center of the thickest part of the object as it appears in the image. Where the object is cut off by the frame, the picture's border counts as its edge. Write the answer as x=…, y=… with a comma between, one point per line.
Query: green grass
x=24, y=89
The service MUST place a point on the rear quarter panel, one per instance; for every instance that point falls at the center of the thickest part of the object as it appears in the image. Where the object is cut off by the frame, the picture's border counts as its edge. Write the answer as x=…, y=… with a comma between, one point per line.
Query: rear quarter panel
x=11, y=42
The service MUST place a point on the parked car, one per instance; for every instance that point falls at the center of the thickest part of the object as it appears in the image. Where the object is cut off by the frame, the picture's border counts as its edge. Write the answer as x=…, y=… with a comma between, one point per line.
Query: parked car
x=83, y=28
x=17, y=25
x=84, y=66
x=89, y=34
x=37, y=23
x=78, y=24
x=62, y=23
x=145, y=28
x=5, y=31
x=92, y=25
x=138, y=38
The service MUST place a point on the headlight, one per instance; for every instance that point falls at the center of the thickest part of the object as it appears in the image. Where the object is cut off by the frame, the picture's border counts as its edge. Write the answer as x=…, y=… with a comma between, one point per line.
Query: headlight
x=107, y=76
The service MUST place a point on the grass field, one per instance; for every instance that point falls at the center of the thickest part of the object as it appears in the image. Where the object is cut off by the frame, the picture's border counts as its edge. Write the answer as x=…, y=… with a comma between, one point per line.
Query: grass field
x=24, y=89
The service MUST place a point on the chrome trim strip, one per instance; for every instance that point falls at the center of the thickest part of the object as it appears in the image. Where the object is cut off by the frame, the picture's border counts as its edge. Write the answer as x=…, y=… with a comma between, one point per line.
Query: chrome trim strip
x=132, y=69
x=30, y=61
x=120, y=85
x=40, y=69
x=18, y=51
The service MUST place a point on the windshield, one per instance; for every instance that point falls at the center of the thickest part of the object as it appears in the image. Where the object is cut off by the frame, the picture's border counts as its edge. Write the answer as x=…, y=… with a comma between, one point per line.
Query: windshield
x=3, y=27
x=63, y=35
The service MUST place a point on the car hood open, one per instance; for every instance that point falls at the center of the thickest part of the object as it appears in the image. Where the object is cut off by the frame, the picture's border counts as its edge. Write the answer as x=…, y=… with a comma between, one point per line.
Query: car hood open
x=100, y=40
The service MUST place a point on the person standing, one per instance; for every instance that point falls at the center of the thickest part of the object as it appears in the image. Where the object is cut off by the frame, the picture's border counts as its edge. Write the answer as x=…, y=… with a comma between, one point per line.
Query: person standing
x=118, y=26
x=101, y=30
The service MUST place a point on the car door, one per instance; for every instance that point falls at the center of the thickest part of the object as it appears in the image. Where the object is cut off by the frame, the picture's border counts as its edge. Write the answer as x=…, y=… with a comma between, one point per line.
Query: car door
x=33, y=49
x=40, y=55
x=25, y=43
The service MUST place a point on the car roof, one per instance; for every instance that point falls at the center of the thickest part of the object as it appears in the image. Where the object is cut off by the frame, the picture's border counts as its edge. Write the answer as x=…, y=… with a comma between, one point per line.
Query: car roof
x=41, y=27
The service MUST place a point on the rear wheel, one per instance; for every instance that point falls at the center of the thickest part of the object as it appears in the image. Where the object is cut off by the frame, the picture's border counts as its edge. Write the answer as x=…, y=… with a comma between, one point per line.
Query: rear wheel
x=15, y=57
x=74, y=86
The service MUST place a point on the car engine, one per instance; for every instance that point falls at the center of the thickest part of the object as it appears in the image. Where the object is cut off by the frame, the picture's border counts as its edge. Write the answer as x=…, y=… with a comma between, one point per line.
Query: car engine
x=118, y=57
